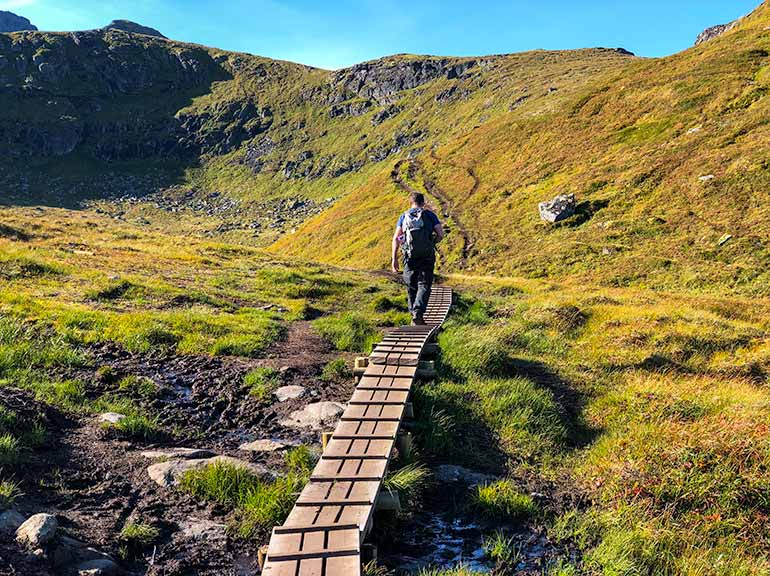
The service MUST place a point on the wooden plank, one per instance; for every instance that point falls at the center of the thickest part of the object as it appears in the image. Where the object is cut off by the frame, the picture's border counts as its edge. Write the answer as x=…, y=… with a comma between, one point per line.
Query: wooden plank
x=349, y=469
x=323, y=532
x=395, y=371
x=361, y=396
x=385, y=383
x=366, y=429
x=363, y=448
x=373, y=412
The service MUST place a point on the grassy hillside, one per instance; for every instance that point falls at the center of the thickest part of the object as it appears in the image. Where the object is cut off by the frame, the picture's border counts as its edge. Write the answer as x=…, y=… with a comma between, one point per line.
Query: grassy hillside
x=633, y=146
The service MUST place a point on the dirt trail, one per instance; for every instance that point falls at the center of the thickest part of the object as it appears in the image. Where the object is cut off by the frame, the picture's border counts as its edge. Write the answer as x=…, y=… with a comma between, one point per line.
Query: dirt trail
x=415, y=170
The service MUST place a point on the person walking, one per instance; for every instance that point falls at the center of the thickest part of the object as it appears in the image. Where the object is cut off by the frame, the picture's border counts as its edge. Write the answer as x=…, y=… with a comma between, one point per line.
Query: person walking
x=417, y=233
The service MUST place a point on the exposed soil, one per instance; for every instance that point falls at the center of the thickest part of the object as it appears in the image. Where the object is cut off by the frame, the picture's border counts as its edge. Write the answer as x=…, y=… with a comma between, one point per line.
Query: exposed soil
x=416, y=171
x=94, y=482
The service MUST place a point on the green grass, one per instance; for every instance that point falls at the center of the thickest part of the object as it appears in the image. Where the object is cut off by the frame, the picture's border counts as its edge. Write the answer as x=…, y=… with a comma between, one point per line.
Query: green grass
x=137, y=426
x=9, y=492
x=138, y=386
x=408, y=481
x=256, y=504
x=502, y=549
x=10, y=451
x=337, y=371
x=502, y=500
x=261, y=382
x=138, y=534
x=350, y=331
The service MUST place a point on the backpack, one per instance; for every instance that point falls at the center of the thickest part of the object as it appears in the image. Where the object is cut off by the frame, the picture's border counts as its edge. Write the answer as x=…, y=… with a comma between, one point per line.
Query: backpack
x=418, y=236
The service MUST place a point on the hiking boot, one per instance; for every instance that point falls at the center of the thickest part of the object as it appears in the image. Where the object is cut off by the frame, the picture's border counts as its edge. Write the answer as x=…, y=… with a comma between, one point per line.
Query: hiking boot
x=417, y=320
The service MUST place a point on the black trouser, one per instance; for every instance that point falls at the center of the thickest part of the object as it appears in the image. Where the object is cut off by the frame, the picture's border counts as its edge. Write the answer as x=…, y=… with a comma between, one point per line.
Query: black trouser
x=418, y=277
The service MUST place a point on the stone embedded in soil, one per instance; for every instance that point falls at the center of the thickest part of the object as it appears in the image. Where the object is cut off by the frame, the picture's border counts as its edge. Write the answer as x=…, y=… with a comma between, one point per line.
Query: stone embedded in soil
x=169, y=473
x=111, y=417
x=449, y=473
x=10, y=520
x=266, y=445
x=70, y=552
x=37, y=530
x=177, y=454
x=285, y=393
x=315, y=416
x=201, y=529
x=100, y=567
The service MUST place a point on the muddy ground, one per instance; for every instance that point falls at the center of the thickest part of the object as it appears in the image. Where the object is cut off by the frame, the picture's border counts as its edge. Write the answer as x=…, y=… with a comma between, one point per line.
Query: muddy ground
x=94, y=482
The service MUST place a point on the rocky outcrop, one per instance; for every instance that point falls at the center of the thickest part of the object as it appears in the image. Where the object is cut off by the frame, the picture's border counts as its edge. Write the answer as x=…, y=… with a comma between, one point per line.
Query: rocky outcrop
x=10, y=22
x=713, y=32
x=381, y=80
x=133, y=27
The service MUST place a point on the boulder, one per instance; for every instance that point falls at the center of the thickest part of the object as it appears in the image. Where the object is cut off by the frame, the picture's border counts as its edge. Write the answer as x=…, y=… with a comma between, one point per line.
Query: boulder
x=10, y=520
x=177, y=454
x=316, y=416
x=37, y=530
x=558, y=209
x=68, y=551
x=285, y=393
x=169, y=473
x=100, y=567
x=265, y=445
x=451, y=474
x=202, y=529
x=111, y=417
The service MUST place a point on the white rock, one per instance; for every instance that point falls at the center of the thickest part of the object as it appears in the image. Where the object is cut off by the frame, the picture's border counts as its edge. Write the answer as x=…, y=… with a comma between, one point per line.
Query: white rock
x=449, y=473
x=111, y=417
x=707, y=177
x=695, y=129
x=266, y=445
x=177, y=453
x=285, y=393
x=169, y=473
x=315, y=415
x=37, y=530
x=201, y=529
x=101, y=567
x=10, y=520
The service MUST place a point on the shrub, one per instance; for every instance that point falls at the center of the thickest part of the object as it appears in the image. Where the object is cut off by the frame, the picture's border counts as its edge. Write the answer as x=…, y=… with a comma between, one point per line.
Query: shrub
x=336, y=371
x=221, y=482
x=261, y=382
x=502, y=500
x=349, y=331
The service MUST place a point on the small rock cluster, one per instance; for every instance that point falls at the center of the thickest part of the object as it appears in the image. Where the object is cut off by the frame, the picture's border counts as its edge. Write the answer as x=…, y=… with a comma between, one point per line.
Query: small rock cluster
x=41, y=536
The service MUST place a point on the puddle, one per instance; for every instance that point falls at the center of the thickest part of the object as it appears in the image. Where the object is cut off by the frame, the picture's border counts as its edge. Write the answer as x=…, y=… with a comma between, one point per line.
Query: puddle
x=439, y=542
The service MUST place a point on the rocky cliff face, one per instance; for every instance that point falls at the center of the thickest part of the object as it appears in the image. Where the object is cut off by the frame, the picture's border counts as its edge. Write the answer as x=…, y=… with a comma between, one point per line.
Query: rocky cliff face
x=713, y=32
x=10, y=22
x=133, y=27
x=98, y=91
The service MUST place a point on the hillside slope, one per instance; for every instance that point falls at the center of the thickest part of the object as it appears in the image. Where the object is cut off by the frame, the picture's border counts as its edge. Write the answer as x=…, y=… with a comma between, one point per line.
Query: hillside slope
x=667, y=157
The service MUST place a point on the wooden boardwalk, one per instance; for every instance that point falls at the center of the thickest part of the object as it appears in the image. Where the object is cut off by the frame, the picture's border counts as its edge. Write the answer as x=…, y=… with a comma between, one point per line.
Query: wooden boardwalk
x=322, y=535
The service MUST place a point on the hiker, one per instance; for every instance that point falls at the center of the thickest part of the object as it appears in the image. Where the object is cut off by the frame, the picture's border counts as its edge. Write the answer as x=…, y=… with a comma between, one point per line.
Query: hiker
x=417, y=233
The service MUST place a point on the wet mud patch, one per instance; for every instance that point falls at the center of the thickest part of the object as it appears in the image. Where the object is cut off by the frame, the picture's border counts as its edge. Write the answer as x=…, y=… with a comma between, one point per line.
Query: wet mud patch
x=95, y=483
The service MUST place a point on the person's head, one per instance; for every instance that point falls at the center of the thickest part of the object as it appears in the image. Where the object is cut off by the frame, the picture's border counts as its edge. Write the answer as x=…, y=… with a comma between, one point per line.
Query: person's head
x=417, y=199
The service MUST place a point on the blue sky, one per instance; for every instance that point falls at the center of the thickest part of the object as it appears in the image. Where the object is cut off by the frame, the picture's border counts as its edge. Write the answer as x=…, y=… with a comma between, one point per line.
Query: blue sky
x=334, y=34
